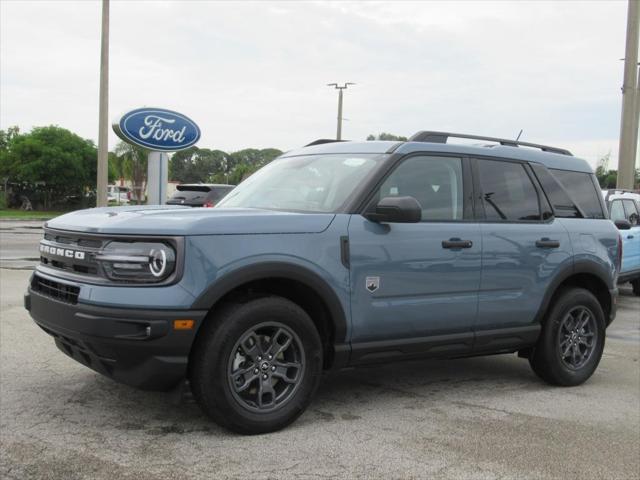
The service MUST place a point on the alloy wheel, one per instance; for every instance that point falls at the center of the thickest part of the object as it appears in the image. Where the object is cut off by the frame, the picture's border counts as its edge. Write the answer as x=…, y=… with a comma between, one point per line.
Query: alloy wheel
x=266, y=367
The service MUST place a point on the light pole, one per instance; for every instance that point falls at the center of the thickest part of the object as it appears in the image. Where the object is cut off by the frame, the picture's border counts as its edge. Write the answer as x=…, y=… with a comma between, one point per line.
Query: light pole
x=340, y=89
x=629, y=137
x=103, y=114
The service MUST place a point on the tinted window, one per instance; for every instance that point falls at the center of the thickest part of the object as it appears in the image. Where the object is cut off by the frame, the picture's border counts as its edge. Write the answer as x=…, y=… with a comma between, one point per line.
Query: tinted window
x=191, y=193
x=631, y=211
x=436, y=182
x=617, y=211
x=507, y=191
x=582, y=191
x=559, y=198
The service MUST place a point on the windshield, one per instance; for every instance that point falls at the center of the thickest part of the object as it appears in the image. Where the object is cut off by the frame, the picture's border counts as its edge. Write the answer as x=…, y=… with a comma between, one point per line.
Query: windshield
x=312, y=183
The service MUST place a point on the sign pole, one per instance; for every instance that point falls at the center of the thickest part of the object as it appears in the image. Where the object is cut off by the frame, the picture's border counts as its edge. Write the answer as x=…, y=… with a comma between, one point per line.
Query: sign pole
x=157, y=178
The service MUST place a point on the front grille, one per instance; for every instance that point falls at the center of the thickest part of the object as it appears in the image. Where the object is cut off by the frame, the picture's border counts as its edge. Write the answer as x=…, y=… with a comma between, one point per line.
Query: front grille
x=73, y=253
x=56, y=290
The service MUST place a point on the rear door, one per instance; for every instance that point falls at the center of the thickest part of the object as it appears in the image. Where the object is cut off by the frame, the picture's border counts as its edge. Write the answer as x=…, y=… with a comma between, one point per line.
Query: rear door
x=523, y=248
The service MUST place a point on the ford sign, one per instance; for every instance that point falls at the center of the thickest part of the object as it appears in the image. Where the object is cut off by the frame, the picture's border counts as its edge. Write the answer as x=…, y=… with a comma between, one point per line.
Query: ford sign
x=157, y=129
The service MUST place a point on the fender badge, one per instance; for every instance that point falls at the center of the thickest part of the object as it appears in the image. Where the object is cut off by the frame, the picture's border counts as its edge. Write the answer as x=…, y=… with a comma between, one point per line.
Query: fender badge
x=372, y=283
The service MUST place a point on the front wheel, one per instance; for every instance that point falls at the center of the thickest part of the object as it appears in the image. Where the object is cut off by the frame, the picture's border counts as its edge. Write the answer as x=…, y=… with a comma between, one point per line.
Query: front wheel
x=572, y=339
x=256, y=365
x=636, y=287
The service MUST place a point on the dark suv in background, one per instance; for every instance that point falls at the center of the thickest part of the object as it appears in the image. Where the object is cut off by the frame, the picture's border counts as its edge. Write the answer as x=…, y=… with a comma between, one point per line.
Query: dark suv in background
x=199, y=194
x=338, y=255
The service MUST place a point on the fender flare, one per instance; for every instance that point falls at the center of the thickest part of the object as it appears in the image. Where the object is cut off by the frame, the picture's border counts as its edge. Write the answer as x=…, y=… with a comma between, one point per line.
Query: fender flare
x=578, y=267
x=229, y=281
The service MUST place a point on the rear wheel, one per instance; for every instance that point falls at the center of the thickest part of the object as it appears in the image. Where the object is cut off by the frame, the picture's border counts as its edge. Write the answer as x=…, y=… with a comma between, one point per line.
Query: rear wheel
x=572, y=339
x=256, y=366
x=636, y=287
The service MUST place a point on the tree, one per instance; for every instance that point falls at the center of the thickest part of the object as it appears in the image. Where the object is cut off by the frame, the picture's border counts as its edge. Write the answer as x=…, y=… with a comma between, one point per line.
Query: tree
x=195, y=165
x=387, y=136
x=49, y=162
x=608, y=178
x=134, y=167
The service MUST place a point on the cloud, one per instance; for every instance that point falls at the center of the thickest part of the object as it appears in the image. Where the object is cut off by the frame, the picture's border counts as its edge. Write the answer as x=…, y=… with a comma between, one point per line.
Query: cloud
x=254, y=73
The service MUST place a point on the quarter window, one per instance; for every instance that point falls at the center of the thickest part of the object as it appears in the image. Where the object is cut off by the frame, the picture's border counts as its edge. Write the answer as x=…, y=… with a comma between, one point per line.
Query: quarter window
x=563, y=206
x=435, y=182
x=507, y=192
x=583, y=191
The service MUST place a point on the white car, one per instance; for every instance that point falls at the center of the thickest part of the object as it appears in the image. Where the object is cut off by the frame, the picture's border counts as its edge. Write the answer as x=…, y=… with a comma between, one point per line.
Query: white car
x=118, y=194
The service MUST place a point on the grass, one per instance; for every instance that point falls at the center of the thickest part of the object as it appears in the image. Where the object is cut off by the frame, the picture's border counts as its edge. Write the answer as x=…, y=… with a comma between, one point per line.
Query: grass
x=15, y=214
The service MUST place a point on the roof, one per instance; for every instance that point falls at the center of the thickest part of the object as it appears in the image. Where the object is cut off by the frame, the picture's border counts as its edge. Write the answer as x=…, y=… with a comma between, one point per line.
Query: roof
x=550, y=160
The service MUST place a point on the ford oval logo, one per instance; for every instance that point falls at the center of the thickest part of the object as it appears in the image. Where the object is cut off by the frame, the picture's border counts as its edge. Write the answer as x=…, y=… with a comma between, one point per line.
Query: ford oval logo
x=157, y=129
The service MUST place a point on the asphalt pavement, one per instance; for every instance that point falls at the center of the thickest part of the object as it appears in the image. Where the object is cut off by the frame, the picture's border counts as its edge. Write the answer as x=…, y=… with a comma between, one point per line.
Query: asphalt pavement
x=477, y=418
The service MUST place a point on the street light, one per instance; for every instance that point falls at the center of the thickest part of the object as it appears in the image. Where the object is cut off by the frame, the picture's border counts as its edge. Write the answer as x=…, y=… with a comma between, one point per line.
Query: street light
x=103, y=113
x=340, y=89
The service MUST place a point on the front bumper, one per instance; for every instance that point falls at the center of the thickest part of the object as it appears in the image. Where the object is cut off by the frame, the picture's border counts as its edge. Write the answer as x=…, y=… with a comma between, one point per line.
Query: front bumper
x=138, y=347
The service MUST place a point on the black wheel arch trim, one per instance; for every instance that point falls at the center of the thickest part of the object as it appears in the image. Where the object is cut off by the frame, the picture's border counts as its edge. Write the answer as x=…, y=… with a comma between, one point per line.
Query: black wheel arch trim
x=578, y=267
x=236, y=278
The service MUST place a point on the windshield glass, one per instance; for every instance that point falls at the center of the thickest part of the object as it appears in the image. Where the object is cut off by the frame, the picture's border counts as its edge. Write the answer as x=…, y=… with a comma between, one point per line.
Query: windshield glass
x=313, y=183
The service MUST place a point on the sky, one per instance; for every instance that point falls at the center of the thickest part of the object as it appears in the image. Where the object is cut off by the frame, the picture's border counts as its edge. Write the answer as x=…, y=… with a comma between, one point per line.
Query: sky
x=254, y=74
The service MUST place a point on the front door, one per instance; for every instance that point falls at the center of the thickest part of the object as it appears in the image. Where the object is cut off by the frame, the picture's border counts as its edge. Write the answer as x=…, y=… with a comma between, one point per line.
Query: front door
x=414, y=286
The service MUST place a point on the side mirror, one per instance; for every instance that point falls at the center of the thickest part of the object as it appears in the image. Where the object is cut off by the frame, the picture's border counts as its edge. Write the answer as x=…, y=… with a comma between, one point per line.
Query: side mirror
x=397, y=210
x=622, y=224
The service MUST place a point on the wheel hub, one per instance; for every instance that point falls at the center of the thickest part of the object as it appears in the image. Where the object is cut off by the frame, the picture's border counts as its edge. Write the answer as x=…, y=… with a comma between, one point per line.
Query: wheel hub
x=577, y=337
x=266, y=366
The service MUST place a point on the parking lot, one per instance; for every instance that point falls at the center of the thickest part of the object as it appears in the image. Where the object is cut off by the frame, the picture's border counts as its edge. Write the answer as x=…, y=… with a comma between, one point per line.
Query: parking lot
x=479, y=418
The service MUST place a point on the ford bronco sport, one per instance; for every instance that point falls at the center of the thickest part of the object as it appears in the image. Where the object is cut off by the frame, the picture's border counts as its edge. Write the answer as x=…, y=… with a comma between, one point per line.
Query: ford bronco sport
x=338, y=254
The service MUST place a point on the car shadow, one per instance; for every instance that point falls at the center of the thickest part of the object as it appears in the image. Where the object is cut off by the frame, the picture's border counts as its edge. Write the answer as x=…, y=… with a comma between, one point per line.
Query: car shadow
x=104, y=404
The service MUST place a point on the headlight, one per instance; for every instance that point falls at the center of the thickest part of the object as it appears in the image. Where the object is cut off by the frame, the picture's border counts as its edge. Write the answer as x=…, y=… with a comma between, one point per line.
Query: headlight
x=137, y=262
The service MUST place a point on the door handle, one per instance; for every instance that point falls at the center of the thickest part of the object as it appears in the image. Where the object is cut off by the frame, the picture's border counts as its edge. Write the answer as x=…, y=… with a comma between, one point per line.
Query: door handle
x=547, y=243
x=629, y=236
x=457, y=243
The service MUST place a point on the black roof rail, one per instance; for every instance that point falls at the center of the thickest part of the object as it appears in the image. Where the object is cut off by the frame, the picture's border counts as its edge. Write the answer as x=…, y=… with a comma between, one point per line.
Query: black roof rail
x=320, y=141
x=442, y=137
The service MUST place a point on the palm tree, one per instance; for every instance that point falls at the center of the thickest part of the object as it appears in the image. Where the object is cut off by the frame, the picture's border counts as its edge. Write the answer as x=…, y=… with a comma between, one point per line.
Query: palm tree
x=133, y=164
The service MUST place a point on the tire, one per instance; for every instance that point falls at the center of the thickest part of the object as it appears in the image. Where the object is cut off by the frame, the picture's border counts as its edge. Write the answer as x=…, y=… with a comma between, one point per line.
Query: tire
x=636, y=287
x=562, y=333
x=238, y=342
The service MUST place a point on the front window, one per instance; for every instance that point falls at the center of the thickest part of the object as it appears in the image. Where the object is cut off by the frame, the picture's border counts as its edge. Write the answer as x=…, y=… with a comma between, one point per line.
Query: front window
x=312, y=183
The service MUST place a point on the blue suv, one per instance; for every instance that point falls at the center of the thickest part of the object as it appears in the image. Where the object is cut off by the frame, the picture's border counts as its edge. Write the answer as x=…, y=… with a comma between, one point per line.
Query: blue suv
x=624, y=208
x=334, y=255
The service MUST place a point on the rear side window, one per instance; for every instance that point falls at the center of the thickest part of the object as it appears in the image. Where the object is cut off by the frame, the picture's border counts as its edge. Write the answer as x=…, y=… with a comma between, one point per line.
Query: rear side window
x=563, y=206
x=583, y=191
x=507, y=192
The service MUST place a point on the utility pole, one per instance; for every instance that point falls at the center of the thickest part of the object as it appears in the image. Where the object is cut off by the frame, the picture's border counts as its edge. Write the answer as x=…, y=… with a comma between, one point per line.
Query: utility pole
x=629, y=122
x=340, y=89
x=103, y=122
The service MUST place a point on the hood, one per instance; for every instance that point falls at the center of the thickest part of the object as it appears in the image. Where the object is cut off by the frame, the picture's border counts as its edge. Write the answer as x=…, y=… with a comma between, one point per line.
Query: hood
x=176, y=220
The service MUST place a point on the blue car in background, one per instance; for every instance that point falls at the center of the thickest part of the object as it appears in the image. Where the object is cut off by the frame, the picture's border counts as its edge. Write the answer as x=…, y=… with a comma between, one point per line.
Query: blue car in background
x=624, y=205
